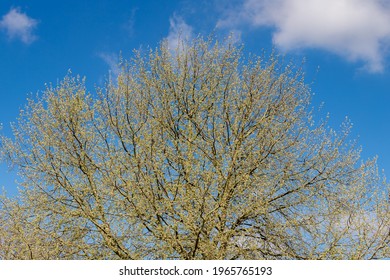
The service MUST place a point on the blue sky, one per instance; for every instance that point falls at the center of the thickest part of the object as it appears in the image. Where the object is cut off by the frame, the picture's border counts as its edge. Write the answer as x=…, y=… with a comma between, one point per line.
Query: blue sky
x=345, y=43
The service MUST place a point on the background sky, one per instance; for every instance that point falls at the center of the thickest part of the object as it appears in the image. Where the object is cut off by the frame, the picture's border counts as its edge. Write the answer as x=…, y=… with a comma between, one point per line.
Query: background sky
x=345, y=44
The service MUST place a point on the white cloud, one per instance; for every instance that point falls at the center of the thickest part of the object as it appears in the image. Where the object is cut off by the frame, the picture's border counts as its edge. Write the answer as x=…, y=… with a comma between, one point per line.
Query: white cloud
x=113, y=63
x=179, y=31
x=235, y=36
x=18, y=25
x=358, y=30
x=129, y=25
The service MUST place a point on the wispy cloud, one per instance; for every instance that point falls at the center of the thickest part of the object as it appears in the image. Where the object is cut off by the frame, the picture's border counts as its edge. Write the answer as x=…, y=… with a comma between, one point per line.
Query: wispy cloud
x=18, y=25
x=129, y=24
x=113, y=62
x=358, y=30
x=179, y=31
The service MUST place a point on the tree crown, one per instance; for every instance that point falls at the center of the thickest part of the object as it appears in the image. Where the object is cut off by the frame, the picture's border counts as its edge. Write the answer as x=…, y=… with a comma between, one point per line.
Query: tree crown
x=193, y=153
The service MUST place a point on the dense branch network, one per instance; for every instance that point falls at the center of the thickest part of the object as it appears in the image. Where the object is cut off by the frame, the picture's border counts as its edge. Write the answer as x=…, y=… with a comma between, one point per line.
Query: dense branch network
x=193, y=153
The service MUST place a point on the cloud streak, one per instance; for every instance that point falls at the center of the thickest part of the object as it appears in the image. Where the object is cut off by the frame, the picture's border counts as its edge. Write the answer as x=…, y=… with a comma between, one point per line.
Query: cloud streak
x=18, y=25
x=113, y=63
x=178, y=30
x=358, y=30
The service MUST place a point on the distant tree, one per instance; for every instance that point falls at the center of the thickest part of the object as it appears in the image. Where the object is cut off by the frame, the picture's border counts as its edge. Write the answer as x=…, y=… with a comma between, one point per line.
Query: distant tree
x=193, y=153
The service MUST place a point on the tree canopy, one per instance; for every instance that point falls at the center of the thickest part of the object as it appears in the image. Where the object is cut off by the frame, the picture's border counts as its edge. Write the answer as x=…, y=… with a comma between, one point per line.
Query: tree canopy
x=193, y=153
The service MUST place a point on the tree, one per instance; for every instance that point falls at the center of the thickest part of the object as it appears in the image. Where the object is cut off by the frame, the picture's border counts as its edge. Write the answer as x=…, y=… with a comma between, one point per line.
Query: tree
x=198, y=153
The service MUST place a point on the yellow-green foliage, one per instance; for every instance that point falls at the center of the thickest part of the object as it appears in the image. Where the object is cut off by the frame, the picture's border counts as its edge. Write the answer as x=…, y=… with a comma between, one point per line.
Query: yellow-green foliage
x=194, y=153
